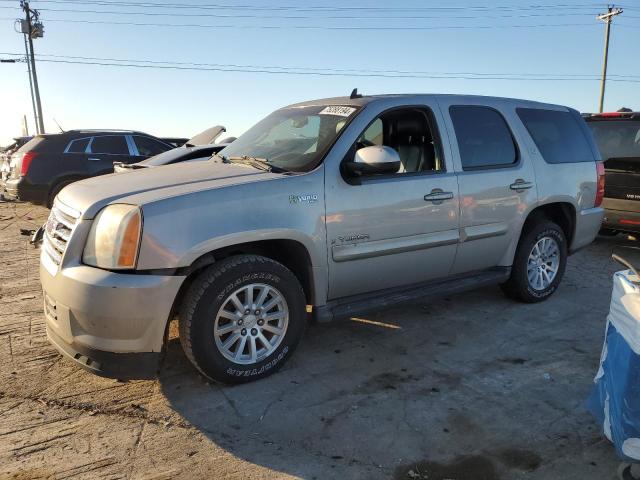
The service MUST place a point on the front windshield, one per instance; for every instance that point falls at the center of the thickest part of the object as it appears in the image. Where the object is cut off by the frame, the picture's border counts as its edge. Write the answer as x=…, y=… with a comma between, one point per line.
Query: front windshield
x=293, y=139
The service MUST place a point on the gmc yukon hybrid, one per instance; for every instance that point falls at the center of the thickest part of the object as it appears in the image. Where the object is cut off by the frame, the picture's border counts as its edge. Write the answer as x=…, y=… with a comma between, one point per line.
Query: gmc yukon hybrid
x=339, y=205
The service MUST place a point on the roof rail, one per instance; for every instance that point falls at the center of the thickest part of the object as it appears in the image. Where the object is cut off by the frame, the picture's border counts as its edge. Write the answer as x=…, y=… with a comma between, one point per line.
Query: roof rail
x=96, y=130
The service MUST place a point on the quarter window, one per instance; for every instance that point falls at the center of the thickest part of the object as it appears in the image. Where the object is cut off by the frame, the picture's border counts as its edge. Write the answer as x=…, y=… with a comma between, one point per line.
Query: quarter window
x=557, y=134
x=78, y=146
x=110, y=144
x=484, y=139
x=147, y=147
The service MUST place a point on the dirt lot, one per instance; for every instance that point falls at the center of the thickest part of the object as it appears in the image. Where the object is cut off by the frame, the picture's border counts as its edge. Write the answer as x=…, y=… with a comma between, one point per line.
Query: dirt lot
x=471, y=387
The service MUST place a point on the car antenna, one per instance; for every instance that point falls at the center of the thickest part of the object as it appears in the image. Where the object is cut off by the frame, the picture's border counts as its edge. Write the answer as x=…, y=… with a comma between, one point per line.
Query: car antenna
x=56, y=122
x=355, y=94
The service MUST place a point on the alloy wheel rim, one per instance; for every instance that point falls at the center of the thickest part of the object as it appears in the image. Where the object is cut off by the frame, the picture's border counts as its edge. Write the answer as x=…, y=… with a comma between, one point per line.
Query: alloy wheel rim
x=543, y=263
x=251, y=323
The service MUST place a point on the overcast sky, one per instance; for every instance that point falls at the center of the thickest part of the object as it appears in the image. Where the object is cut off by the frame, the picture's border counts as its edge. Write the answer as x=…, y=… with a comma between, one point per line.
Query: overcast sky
x=561, y=41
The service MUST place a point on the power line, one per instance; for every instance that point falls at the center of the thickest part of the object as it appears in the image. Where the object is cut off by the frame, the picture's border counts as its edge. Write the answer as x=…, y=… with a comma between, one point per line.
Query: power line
x=532, y=76
x=319, y=8
x=319, y=27
x=326, y=73
x=309, y=17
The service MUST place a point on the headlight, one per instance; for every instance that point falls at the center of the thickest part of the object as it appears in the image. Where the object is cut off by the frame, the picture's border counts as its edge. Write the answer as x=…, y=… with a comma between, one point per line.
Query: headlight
x=114, y=238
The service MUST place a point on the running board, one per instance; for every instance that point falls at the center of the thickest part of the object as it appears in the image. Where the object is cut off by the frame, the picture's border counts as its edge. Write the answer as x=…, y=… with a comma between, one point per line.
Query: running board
x=381, y=299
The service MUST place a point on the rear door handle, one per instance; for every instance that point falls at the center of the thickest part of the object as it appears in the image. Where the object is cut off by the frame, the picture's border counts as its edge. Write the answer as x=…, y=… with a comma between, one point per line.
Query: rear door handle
x=521, y=185
x=438, y=195
x=93, y=159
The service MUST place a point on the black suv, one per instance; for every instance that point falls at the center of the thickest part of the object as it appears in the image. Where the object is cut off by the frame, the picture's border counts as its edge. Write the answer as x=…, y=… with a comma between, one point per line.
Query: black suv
x=618, y=137
x=47, y=163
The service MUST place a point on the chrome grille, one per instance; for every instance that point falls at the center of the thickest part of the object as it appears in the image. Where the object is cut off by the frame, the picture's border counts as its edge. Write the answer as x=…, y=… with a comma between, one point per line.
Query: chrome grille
x=58, y=230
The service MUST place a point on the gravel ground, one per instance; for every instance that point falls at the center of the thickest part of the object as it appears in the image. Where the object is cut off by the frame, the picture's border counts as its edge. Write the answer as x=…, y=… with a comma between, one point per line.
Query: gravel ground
x=471, y=387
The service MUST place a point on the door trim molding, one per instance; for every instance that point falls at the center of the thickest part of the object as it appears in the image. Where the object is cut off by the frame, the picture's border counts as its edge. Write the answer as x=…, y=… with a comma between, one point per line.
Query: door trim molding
x=487, y=230
x=377, y=248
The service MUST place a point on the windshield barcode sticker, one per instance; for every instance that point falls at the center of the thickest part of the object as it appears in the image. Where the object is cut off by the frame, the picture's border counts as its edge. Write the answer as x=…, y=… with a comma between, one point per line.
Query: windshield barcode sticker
x=337, y=110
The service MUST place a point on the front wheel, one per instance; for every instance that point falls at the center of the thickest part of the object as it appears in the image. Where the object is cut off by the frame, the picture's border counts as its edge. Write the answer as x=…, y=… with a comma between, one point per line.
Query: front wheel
x=242, y=318
x=539, y=263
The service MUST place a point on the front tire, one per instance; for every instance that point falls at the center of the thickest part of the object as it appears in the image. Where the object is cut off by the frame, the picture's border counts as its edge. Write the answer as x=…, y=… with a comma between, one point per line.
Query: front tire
x=539, y=263
x=242, y=318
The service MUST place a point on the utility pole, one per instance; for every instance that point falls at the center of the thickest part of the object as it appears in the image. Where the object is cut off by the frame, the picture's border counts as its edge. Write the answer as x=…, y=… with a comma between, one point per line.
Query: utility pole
x=607, y=18
x=33, y=101
x=32, y=28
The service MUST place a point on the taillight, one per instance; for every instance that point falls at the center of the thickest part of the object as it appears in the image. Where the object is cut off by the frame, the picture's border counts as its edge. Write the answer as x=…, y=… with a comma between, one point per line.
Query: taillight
x=26, y=162
x=600, y=184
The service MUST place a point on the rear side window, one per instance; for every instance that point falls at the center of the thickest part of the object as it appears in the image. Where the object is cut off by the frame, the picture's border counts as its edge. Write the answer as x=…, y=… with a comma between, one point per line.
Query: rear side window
x=484, y=139
x=148, y=146
x=78, y=146
x=110, y=144
x=557, y=134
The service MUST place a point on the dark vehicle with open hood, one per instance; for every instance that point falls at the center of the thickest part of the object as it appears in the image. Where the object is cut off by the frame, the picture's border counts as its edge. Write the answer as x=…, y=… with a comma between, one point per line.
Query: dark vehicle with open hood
x=47, y=163
x=617, y=135
x=198, y=148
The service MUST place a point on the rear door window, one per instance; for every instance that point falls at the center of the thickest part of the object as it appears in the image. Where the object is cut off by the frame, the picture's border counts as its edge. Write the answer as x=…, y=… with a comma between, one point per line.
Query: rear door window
x=78, y=146
x=557, y=134
x=148, y=147
x=110, y=144
x=484, y=139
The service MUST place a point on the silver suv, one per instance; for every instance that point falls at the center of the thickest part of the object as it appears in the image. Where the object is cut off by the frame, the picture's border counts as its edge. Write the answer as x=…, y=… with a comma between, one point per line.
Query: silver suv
x=337, y=206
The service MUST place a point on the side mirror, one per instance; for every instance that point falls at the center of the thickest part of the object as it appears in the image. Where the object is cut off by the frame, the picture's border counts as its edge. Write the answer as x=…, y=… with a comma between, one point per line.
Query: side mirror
x=373, y=160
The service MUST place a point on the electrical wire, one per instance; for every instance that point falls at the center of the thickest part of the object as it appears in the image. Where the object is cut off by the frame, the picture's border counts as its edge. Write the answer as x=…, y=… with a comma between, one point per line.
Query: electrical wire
x=326, y=73
x=217, y=6
x=322, y=69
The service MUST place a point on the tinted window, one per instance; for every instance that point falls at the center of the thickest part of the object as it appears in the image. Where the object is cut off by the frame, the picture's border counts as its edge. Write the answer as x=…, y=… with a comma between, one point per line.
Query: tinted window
x=558, y=135
x=78, y=146
x=112, y=144
x=148, y=146
x=409, y=132
x=484, y=140
x=617, y=138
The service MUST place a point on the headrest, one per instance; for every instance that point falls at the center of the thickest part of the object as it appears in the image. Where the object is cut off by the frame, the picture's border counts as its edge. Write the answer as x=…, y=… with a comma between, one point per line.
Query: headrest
x=410, y=127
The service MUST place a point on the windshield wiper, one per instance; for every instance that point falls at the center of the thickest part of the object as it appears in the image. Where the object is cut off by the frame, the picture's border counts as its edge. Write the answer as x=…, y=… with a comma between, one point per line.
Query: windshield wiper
x=256, y=162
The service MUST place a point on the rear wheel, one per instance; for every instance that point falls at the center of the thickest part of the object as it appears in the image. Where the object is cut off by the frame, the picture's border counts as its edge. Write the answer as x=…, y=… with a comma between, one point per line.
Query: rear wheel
x=242, y=318
x=539, y=263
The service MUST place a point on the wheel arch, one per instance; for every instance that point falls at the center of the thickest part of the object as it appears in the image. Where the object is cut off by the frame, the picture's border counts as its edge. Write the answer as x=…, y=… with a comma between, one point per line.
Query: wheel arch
x=291, y=253
x=563, y=213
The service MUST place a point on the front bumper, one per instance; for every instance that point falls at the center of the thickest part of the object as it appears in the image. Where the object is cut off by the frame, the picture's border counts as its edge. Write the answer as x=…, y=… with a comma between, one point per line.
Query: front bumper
x=112, y=324
x=123, y=366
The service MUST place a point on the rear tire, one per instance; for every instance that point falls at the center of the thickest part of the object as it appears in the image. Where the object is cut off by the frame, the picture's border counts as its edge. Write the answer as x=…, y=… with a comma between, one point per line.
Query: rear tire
x=242, y=318
x=539, y=263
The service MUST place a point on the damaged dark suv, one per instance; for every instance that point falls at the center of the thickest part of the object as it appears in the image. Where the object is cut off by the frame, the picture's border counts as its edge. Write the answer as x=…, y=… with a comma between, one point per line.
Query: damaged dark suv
x=47, y=163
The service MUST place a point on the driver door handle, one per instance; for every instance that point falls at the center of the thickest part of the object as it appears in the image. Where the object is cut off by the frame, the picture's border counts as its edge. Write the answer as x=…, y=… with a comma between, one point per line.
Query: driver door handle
x=437, y=195
x=520, y=184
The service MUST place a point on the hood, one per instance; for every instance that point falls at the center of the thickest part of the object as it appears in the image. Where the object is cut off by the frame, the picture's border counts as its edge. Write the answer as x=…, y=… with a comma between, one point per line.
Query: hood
x=206, y=137
x=150, y=184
